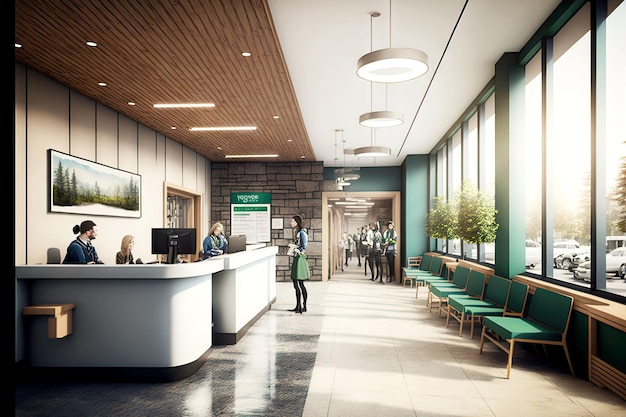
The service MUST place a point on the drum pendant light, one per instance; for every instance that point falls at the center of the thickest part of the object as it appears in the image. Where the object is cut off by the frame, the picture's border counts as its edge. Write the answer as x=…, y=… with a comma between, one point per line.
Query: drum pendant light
x=392, y=65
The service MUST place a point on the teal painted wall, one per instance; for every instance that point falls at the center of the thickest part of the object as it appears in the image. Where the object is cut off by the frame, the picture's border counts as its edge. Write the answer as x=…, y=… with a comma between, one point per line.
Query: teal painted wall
x=510, y=166
x=414, y=200
x=372, y=179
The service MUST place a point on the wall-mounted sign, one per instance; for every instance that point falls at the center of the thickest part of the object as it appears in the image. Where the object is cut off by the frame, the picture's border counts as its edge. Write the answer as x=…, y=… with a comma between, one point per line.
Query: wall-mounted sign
x=250, y=215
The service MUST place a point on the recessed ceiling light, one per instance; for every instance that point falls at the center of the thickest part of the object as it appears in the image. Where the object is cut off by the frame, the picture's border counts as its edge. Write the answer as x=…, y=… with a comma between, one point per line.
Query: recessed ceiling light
x=102, y=84
x=252, y=156
x=276, y=117
x=246, y=54
x=204, y=129
x=91, y=43
x=173, y=127
x=176, y=105
x=18, y=45
x=131, y=103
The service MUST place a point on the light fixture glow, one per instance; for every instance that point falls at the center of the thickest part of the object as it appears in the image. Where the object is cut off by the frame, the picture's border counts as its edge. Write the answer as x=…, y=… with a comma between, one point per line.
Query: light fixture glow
x=351, y=177
x=367, y=151
x=392, y=65
x=182, y=105
x=381, y=119
x=220, y=128
x=251, y=156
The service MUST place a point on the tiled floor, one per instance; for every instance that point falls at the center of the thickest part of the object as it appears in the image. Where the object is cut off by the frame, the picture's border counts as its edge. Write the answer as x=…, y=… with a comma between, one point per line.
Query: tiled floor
x=361, y=349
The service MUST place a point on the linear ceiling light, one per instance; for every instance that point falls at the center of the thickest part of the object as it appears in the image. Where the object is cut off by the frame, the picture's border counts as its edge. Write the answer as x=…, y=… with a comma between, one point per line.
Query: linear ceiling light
x=381, y=119
x=207, y=129
x=392, y=65
x=252, y=156
x=186, y=105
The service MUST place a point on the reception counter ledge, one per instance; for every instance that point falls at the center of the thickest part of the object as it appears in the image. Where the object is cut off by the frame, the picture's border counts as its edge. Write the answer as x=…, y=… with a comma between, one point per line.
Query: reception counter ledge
x=242, y=292
x=150, y=322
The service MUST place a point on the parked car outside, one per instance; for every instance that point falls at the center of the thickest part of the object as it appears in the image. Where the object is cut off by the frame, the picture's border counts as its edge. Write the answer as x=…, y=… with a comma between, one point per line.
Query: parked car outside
x=565, y=253
x=615, y=264
x=533, y=254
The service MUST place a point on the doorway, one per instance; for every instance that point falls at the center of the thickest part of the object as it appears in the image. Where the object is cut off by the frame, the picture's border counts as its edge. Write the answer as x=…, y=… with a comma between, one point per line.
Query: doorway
x=386, y=206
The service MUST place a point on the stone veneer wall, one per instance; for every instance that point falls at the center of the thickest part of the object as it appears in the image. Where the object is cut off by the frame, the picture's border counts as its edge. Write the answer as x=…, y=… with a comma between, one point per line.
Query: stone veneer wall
x=296, y=188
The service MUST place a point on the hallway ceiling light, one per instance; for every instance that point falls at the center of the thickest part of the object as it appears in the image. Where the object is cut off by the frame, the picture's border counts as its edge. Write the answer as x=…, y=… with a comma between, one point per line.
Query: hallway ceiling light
x=381, y=119
x=367, y=151
x=372, y=150
x=392, y=65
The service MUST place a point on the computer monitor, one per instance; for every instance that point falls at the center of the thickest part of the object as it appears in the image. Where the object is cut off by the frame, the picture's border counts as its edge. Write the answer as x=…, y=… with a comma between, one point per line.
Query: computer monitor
x=236, y=243
x=173, y=242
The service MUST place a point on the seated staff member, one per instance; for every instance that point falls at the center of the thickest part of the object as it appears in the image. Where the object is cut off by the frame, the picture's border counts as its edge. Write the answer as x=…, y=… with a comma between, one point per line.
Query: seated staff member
x=214, y=243
x=80, y=250
x=125, y=255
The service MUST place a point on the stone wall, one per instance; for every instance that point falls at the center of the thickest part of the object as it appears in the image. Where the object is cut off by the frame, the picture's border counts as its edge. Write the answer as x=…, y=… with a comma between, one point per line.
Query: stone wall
x=296, y=188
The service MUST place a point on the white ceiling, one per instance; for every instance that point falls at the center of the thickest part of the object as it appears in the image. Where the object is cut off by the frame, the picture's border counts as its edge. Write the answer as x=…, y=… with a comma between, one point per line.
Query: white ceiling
x=323, y=39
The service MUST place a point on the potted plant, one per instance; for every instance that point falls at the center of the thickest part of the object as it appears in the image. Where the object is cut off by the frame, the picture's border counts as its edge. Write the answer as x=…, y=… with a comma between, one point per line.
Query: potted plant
x=442, y=220
x=476, y=215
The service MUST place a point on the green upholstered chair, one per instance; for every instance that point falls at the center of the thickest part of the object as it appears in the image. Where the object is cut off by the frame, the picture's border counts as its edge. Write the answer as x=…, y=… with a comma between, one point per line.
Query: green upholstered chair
x=464, y=280
x=549, y=313
x=436, y=267
x=496, y=293
x=410, y=272
x=459, y=280
x=514, y=307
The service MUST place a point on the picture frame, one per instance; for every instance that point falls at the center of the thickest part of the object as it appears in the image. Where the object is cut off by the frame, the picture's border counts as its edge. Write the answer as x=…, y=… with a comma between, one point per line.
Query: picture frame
x=80, y=186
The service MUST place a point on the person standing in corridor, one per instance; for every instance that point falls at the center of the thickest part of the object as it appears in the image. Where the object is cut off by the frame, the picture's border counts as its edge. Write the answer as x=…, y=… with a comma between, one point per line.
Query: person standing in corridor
x=299, y=271
x=390, y=237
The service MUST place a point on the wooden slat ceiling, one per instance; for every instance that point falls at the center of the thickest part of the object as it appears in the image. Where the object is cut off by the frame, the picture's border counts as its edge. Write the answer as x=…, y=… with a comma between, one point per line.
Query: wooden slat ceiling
x=154, y=51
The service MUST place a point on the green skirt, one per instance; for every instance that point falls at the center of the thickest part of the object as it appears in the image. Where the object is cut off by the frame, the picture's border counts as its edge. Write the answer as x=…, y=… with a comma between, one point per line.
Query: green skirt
x=300, y=268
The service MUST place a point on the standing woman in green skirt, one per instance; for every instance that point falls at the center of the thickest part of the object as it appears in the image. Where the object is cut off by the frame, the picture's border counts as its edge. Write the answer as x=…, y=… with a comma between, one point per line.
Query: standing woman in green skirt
x=299, y=267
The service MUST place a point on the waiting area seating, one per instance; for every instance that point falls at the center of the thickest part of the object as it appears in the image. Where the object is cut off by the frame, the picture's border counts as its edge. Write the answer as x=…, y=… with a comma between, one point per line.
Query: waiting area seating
x=547, y=321
x=473, y=288
x=414, y=264
x=502, y=297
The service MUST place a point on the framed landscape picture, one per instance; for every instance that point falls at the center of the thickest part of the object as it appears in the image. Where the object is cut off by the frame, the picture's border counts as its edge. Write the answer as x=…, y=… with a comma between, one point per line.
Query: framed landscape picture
x=80, y=186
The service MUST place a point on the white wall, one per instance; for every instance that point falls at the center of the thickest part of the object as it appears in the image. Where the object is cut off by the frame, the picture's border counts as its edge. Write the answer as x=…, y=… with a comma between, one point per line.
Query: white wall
x=49, y=115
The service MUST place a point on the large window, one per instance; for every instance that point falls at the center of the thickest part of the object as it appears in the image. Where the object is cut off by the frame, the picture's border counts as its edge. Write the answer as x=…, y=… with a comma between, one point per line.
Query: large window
x=533, y=156
x=574, y=151
x=568, y=163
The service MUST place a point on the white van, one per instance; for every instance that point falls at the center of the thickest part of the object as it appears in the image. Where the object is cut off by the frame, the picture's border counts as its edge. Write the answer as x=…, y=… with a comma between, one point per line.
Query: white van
x=613, y=242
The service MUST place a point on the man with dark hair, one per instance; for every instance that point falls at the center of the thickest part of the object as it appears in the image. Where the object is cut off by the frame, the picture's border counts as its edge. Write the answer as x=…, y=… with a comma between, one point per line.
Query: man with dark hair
x=80, y=250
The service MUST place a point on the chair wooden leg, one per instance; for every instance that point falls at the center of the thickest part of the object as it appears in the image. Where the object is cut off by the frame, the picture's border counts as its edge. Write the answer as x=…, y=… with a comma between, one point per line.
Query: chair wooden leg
x=448, y=317
x=569, y=361
x=510, y=361
x=461, y=324
x=482, y=341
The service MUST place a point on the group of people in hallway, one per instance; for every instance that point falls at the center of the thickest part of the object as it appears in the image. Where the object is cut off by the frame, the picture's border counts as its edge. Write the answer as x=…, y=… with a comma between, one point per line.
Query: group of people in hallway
x=371, y=244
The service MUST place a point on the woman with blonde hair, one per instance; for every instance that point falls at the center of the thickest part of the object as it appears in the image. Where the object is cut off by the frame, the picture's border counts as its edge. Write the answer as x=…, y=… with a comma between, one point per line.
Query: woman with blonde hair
x=125, y=255
x=214, y=243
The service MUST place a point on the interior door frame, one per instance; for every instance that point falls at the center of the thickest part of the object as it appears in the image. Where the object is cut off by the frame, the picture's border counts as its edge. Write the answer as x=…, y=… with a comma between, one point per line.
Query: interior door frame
x=328, y=231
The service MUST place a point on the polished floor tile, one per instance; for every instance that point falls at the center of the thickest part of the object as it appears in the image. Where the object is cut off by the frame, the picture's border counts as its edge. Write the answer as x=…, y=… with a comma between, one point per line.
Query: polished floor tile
x=361, y=349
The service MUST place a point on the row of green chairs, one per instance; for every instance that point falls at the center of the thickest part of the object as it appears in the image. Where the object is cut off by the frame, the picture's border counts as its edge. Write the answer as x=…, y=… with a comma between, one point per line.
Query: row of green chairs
x=502, y=297
x=430, y=266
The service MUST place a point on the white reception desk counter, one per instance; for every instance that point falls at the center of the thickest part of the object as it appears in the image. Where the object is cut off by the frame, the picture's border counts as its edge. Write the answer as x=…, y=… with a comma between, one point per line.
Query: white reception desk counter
x=139, y=322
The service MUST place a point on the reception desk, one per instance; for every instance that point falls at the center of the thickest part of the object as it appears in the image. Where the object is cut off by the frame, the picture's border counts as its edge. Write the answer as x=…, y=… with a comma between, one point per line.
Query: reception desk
x=242, y=292
x=151, y=322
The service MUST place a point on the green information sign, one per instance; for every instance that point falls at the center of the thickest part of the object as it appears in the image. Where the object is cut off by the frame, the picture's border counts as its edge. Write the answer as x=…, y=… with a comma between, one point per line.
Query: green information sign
x=250, y=215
